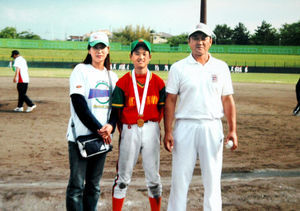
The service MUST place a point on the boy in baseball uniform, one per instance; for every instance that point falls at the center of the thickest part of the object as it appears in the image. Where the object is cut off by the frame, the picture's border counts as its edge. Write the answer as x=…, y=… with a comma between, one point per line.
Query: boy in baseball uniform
x=139, y=99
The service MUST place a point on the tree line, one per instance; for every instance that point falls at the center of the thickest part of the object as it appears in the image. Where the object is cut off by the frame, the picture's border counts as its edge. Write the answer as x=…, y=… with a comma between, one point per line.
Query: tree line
x=265, y=34
x=130, y=33
x=11, y=32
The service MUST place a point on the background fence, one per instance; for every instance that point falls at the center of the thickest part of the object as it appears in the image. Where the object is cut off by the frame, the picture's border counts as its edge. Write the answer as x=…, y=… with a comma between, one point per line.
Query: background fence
x=115, y=46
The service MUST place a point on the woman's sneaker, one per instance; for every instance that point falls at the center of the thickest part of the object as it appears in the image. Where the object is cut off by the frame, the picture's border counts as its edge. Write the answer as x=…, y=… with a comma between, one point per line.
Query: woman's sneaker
x=29, y=109
x=19, y=109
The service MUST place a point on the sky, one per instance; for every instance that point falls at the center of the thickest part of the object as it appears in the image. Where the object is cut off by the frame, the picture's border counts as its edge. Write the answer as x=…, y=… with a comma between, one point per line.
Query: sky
x=58, y=19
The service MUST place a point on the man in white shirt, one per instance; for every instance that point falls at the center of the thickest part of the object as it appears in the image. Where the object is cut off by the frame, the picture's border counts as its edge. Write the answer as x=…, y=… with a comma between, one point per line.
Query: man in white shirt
x=204, y=87
x=22, y=79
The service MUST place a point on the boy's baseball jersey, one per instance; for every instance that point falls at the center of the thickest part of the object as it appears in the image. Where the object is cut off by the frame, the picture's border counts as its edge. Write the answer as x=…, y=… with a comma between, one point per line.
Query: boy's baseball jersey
x=123, y=97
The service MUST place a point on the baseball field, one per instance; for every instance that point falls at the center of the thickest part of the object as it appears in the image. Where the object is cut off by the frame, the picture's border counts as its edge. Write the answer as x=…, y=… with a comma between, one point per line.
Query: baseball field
x=262, y=174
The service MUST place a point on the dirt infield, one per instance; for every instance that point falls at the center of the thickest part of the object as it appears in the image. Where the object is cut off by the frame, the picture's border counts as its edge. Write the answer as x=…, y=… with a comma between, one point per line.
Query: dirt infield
x=34, y=157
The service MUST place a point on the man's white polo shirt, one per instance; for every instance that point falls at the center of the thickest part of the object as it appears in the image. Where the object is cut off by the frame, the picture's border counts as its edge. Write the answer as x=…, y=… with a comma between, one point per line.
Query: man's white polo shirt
x=199, y=87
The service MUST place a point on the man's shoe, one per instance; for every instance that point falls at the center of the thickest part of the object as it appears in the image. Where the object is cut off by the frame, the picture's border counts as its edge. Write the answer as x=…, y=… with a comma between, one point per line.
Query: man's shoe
x=296, y=111
x=29, y=109
x=19, y=109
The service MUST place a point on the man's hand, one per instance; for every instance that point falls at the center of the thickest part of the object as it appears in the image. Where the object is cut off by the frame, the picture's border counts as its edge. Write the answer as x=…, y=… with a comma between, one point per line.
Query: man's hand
x=169, y=142
x=232, y=136
x=15, y=80
x=168, y=120
x=230, y=113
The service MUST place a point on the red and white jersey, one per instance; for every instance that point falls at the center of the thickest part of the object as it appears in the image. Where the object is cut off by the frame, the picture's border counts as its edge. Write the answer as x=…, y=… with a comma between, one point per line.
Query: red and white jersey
x=124, y=97
x=21, y=63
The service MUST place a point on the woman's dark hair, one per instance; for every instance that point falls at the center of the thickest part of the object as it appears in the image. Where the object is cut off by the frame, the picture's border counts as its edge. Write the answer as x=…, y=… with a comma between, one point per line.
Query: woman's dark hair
x=88, y=59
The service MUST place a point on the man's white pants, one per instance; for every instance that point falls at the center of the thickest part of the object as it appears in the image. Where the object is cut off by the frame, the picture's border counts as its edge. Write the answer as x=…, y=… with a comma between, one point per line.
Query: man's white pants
x=192, y=138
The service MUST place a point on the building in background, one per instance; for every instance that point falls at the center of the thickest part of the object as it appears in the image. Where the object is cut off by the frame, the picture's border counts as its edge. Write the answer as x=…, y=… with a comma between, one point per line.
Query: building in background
x=161, y=37
x=75, y=38
x=109, y=34
x=87, y=35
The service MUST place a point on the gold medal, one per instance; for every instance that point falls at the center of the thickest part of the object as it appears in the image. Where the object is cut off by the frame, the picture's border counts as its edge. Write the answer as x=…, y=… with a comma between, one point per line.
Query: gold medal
x=140, y=122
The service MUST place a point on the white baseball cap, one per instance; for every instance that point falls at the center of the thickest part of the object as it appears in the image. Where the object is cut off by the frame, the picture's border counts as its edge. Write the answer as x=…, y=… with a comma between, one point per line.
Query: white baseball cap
x=98, y=37
x=201, y=27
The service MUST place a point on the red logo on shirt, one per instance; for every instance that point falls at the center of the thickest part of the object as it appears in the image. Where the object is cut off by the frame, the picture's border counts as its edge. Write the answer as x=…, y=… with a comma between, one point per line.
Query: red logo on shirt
x=214, y=78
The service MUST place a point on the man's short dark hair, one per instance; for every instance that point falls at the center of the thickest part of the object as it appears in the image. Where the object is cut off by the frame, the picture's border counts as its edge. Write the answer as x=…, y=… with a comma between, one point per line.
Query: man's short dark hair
x=14, y=52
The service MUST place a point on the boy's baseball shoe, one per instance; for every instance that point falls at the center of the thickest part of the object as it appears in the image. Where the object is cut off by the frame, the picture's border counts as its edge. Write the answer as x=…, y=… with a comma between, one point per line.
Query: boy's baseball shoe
x=29, y=109
x=19, y=109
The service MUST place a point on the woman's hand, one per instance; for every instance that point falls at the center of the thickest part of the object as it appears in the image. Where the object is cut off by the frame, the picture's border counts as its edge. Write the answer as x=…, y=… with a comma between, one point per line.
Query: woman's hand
x=105, y=133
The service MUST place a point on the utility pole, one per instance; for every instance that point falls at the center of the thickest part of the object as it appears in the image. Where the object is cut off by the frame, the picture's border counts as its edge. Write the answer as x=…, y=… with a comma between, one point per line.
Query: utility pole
x=203, y=13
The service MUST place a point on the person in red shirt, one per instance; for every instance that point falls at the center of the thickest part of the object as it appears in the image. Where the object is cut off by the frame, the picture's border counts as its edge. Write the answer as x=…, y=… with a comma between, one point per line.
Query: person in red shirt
x=138, y=101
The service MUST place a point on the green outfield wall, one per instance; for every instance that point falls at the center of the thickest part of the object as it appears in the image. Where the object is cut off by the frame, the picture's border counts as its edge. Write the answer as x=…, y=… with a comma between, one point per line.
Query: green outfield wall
x=77, y=45
x=122, y=66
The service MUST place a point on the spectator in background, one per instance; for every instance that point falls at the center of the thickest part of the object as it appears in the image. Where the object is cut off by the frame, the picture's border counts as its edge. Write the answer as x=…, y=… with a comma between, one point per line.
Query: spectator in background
x=22, y=79
x=156, y=67
x=166, y=67
x=296, y=111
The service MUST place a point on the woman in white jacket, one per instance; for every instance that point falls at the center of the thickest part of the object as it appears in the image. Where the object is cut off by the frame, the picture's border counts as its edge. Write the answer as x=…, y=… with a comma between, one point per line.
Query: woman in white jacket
x=90, y=85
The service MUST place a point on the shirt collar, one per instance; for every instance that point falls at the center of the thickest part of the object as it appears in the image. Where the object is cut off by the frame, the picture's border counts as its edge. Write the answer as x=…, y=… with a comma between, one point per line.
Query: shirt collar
x=193, y=61
x=93, y=68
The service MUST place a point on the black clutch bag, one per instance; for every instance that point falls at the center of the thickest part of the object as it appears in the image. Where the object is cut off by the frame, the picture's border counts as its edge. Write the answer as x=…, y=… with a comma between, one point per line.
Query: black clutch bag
x=92, y=145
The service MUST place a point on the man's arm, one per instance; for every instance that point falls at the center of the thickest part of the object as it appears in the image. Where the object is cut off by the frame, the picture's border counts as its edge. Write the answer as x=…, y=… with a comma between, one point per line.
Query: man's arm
x=16, y=75
x=230, y=113
x=168, y=120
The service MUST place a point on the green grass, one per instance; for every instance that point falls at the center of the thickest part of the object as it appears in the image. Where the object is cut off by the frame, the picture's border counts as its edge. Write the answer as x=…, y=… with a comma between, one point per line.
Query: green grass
x=236, y=77
x=265, y=78
x=265, y=60
x=39, y=72
x=45, y=54
x=260, y=60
